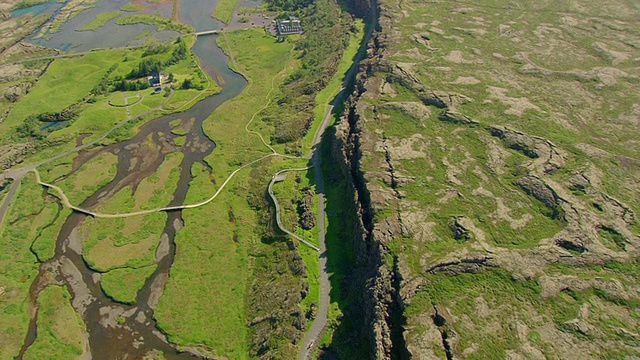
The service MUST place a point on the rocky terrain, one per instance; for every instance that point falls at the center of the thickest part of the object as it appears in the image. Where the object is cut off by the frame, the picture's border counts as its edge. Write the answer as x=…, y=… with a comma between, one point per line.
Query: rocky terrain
x=492, y=152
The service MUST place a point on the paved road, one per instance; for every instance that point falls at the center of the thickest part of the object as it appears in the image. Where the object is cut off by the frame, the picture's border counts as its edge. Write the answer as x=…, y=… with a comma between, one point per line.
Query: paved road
x=315, y=333
x=7, y=200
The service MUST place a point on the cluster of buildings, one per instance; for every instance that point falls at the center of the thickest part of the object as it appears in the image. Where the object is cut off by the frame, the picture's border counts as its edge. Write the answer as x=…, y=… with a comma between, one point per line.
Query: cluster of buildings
x=288, y=26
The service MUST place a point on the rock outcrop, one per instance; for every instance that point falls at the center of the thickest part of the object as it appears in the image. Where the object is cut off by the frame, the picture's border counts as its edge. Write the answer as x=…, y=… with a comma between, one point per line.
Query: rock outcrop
x=475, y=203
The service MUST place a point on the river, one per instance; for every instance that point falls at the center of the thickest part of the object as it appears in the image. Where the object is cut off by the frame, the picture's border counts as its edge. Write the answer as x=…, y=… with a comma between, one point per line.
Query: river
x=138, y=334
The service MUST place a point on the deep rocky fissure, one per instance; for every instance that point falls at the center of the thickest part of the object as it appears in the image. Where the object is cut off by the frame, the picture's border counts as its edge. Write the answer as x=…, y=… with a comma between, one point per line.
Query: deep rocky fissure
x=397, y=319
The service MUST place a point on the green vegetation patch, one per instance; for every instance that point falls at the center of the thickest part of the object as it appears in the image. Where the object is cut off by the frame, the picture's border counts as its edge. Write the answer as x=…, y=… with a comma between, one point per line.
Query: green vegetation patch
x=132, y=7
x=161, y=23
x=123, y=242
x=157, y=190
x=66, y=82
x=100, y=20
x=90, y=177
x=122, y=285
x=224, y=10
x=44, y=246
x=18, y=266
x=209, y=255
x=61, y=331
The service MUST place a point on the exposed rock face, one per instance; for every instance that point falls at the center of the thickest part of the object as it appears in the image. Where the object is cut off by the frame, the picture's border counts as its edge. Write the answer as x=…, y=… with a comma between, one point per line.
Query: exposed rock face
x=449, y=196
x=14, y=154
x=536, y=188
x=515, y=140
x=459, y=231
x=305, y=209
x=14, y=93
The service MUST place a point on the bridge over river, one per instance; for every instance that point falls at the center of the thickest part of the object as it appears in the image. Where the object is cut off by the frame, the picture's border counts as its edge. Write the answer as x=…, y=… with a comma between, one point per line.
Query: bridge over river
x=206, y=32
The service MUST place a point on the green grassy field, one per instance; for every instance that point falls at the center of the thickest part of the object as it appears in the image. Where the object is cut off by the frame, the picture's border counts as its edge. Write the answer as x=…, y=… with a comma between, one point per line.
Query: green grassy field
x=44, y=245
x=61, y=331
x=57, y=89
x=123, y=284
x=26, y=216
x=122, y=243
x=66, y=82
x=224, y=10
x=90, y=177
x=216, y=256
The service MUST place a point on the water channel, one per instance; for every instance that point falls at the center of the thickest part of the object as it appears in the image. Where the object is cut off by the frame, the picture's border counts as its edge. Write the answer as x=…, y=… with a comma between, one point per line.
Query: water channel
x=117, y=330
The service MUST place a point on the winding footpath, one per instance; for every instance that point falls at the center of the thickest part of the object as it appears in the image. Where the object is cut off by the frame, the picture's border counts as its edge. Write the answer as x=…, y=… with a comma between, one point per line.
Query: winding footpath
x=280, y=176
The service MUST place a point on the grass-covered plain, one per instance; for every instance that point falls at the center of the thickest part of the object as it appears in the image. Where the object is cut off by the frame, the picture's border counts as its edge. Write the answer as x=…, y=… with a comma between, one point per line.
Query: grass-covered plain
x=28, y=213
x=213, y=249
x=66, y=82
x=224, y=10
x=123, y=284
x=123, y=242
x=77, y=84
x=90, y=177
x=61, y=331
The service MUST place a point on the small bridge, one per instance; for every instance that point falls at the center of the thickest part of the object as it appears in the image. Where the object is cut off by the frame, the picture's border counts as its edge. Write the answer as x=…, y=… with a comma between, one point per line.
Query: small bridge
x=207, y=32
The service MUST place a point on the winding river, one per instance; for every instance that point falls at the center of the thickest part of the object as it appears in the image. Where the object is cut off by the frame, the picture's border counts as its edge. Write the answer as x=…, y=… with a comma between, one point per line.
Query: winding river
x=116, y=330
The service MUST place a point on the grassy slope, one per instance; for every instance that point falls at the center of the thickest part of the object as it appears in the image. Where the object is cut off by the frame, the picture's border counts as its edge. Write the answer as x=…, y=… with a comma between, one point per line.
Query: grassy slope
x=189, y=310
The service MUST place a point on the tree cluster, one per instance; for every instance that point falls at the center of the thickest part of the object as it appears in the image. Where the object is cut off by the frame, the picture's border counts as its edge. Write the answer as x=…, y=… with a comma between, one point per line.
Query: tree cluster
x=65, y=115
x=189, y=84
x=130, y=85
x=146, y=67
x=103, y=87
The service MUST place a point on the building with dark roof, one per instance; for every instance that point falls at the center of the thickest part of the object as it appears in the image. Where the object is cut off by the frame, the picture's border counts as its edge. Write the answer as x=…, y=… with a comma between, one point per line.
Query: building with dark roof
x=289, y=26
x=154, y=79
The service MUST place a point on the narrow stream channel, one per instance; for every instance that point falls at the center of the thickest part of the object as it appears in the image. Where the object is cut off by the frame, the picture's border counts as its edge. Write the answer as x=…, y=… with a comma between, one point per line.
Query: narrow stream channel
x=109, y=336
